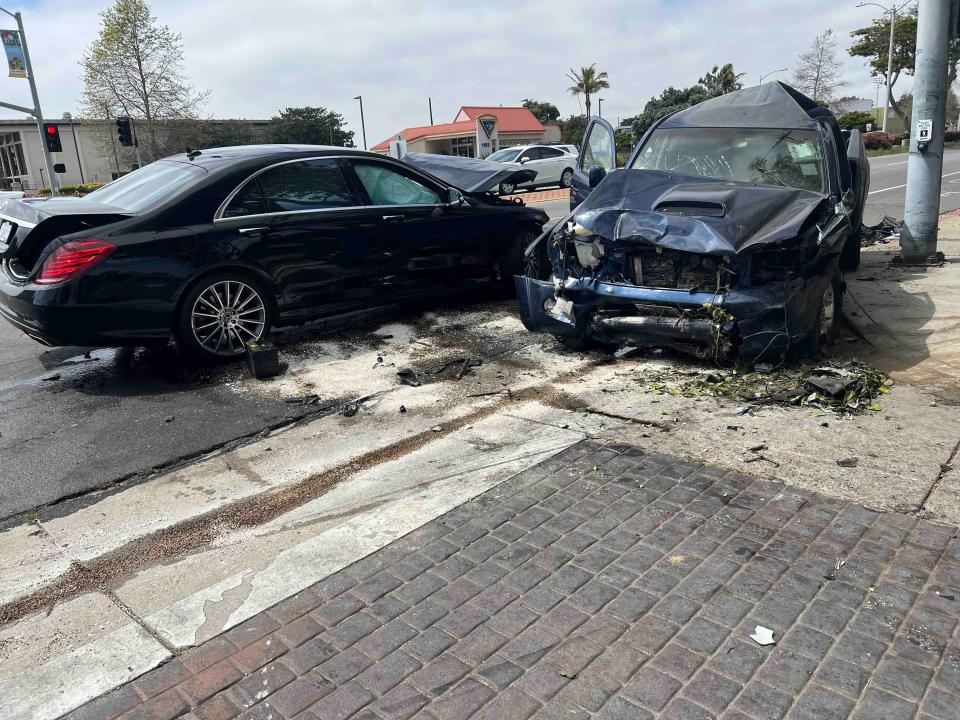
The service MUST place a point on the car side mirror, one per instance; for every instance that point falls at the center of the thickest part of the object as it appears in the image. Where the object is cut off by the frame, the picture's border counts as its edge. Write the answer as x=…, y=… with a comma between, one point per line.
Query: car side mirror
x=455, y=197
x=524, y=160
x=595, y=175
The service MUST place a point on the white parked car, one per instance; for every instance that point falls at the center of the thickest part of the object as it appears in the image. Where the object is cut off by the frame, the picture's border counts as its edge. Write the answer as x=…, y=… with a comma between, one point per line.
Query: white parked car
x=554, y=164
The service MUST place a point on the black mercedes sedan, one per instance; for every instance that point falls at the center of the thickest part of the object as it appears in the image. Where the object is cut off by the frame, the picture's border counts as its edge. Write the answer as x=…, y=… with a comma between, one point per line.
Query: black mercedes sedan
x=215, y=247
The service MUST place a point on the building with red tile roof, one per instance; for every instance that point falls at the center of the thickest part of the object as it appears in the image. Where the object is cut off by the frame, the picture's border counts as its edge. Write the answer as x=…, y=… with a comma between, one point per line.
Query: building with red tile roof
x=514, y=126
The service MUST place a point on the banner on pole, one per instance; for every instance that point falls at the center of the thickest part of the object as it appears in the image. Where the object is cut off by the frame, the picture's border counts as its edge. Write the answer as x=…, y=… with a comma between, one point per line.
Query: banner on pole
x=16, y=60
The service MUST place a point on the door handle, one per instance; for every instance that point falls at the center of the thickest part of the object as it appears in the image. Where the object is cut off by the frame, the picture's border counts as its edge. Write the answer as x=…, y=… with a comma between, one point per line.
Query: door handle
x=393, y=218
x=252, y=231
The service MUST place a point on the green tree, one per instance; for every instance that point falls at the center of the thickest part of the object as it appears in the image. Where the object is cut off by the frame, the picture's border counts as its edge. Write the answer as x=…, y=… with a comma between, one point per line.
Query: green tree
x=872, y=43
x=135, y=68
x=310, y=126
x=856, y=120
x=587, y=82
x=572, y=129
x=818, y=73
x=546, y=112
x=723, y=80
x=669, y=101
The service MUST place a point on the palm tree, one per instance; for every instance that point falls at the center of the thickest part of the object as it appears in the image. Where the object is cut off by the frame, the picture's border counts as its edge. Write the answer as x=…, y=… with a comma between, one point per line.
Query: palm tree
x=587, y=82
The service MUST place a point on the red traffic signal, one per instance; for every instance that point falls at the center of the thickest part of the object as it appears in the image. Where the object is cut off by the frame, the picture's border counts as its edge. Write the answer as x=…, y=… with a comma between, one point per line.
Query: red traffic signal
x=52, y=137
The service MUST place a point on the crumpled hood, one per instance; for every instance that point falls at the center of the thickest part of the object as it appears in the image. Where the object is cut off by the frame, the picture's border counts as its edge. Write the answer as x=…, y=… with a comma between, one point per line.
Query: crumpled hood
x=470, y=174
x=696, y=214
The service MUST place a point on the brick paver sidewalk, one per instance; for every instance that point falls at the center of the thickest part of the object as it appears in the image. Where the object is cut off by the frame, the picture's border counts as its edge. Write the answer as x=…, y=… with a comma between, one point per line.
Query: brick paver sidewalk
x=603, y=583
x=541, y=195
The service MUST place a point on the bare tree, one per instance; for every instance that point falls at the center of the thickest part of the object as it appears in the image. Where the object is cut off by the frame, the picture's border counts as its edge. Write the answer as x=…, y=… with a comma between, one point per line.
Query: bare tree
x=818, y=73
x=135, y=68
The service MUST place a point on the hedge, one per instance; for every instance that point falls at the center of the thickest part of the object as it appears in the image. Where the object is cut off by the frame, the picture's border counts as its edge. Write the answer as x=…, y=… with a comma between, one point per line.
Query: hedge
x=77, y=190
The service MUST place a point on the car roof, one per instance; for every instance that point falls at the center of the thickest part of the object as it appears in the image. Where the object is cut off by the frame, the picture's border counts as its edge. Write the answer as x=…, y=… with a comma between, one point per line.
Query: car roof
x=216, y=157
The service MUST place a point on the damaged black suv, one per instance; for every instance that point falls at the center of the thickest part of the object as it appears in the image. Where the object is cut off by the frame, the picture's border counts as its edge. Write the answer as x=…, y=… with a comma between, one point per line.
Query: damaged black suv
x=726, y=235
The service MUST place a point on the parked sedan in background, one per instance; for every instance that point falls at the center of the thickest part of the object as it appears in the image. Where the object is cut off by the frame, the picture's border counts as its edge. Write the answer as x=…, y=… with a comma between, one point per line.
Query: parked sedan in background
x=215, y=247
x=554, y=165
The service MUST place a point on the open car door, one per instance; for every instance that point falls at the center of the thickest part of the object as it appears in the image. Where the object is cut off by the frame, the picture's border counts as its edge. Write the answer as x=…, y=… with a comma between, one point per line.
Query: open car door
x=598, y=156
x=860, y=188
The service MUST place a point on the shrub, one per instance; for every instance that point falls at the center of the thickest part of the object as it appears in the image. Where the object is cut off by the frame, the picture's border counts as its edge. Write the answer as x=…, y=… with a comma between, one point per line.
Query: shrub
x=877, y=140
x=951, y=136
x=855, y=120
x=77, y=190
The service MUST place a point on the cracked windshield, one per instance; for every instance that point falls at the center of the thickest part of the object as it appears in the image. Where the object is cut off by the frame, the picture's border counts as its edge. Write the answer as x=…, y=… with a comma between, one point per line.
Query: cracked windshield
x=769, y=157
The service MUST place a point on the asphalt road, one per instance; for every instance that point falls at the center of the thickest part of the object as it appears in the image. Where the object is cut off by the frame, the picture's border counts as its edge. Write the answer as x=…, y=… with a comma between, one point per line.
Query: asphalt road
x=117, y=414
x=888, y=179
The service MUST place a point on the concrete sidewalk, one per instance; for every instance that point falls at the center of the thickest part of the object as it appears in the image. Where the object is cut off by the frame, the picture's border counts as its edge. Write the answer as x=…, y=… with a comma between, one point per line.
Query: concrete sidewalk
x=607, y=583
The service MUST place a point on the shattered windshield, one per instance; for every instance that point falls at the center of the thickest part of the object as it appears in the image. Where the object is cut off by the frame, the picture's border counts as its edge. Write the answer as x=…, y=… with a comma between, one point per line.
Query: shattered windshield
x=791, y=158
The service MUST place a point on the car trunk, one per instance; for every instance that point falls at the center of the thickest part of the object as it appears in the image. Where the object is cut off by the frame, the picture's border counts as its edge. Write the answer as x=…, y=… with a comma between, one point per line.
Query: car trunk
x=29, y=225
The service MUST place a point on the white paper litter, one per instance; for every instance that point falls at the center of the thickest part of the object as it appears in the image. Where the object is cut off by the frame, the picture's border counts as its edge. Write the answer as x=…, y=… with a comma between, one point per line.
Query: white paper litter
x=763, y=636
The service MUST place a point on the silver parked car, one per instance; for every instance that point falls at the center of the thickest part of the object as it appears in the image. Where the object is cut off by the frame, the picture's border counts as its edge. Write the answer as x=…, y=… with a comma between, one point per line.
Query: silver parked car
x=554, y=165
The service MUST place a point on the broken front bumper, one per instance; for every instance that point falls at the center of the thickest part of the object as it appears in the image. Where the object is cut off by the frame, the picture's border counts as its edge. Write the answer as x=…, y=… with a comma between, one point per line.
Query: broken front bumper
x=756, y=322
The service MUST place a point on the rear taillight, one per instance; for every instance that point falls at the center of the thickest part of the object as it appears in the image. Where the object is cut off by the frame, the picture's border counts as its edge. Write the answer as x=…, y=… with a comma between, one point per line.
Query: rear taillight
x=72, y=258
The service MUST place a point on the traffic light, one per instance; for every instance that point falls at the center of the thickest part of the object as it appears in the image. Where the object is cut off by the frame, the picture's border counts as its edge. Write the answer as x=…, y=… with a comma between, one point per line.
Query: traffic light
x=52, y=133
x=124, y=131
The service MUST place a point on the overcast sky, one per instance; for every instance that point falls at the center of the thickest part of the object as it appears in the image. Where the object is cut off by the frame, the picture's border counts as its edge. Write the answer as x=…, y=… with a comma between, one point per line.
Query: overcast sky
x=258, y=57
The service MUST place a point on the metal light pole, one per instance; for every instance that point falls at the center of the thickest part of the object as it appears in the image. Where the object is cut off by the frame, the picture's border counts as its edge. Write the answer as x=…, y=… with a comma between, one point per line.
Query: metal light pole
x=772, y=72
x=76, y=145
x=363, y=125
x=37, y=114
x=599, y=107
x=918, y=239
x=892, y=10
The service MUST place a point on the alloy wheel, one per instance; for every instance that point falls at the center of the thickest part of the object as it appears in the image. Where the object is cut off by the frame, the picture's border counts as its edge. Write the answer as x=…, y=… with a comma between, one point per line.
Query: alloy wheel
x=566, y=179
x=227, y=316
x=507, y=188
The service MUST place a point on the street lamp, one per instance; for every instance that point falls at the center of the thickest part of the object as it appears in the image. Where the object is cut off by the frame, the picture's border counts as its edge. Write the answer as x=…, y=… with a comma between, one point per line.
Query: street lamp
x=599, y=107
x=35, y=111
x=76, y=146
x=892, y=10
x=363, y=126
x=772, y=72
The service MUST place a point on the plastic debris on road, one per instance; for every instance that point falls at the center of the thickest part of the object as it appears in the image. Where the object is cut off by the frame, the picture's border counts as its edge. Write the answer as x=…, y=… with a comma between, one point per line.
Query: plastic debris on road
x=763, y=636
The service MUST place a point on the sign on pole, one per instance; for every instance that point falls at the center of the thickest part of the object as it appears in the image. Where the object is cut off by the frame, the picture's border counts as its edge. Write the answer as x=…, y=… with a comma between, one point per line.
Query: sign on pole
x=924, y=130
x=16, y=60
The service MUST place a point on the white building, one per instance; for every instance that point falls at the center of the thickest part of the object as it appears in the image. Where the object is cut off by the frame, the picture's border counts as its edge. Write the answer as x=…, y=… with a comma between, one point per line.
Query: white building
x=87, y=153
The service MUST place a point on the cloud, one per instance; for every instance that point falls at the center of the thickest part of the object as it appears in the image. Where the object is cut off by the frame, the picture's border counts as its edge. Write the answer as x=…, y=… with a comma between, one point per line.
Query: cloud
x=257, y=57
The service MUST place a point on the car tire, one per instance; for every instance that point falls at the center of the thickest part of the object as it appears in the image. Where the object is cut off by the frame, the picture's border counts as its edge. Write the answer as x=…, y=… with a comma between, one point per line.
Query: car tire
x=829, y=317
x=566, y=178
x=507, y=188
x=537, y=265
x=850, y=254
x=221, y=314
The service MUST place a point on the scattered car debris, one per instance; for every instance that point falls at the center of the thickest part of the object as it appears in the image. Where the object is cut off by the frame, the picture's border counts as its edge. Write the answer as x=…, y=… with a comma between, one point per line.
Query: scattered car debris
x=452, y=369
x=763, y=636
x=263, y=359
x=951, y=598
x=169, y=419
x=944, y=468
x=849, y=462
x=841, y=387
x=50, y=378
x=569, y=675
x=303, y=400
x=626, y=352
x=841, y=561
x=403, y=409
x=880, y=234
x=757, y=448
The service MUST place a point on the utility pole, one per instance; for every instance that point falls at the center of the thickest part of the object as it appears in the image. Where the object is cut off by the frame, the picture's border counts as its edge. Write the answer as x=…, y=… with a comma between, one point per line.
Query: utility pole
x=599, y=107
x=918, y=239
x=363, y=125
x=430, y=105
x=35, y=111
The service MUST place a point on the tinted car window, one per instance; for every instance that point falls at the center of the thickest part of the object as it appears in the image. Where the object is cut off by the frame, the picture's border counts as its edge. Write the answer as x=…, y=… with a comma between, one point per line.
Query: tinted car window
x=305, y=185
x=550, y=152
x=249, y=201
x=388, y=187
x=531, y=153
x=149, y=186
